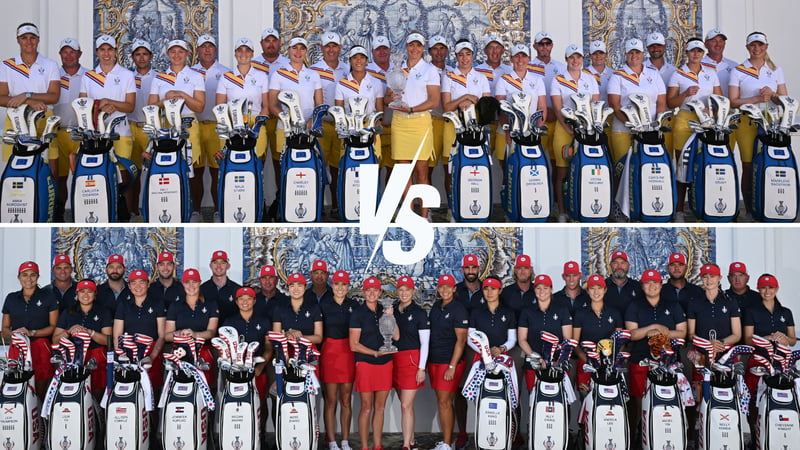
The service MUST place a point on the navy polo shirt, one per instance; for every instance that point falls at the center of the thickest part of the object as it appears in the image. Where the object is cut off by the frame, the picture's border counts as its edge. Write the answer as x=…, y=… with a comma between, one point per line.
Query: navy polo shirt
x=194, y=319
x=65, y=299
x=689, y=294
x=95, y=319
x=495, y=324
x=224, y=297
x=311, y=295
x=620, y=297
x=444, y=319
x=471, y=300
x=595, y=327
x=33, y=314
x=141, y=319
x=174, y=293
x=336, y=317
x=253, y=330
x=550, y=320
x=109, y=299
x=664, y=313
x=410, y=321
x=713, y=316
x=765, y=322
x=265, y=307
x=515, y=298
x=746, y=300
x=365, y=320
x=302, y=320
x=582, y=300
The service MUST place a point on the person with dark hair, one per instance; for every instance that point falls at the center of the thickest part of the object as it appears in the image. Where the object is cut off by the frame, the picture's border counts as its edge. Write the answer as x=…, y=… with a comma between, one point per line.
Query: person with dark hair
x=220, y=288
x=63, y=285
x=739, y=290
x=166, y=287
x=114, y=290
x=677, y=287
x=300, y=318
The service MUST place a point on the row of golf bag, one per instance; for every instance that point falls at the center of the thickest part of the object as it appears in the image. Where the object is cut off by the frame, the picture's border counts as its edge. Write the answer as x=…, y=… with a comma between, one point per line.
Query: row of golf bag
x=70, y=417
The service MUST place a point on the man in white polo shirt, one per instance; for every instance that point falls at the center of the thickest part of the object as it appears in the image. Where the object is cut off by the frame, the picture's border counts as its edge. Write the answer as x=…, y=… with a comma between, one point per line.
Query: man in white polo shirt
x=714, y=58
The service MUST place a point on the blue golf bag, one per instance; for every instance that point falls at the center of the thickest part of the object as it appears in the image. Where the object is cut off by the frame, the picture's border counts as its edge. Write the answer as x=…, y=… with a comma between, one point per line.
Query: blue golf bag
x=95, y=182
x=590, y=180
x=652, y=189
x=28, y=191
x=471, y=196
x=775, y=187
x=527, y=196
x=348, y=193
x=240, y=192
x=303, y=178
x=714, y=179
x=166, y=197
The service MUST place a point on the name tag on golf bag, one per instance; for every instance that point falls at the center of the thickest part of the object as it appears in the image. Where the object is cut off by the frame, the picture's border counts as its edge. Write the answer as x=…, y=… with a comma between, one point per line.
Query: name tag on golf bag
x=590, y=187
x=714, y=196
x=184, y=417
x=652, y=188
x=21, y=421
x=719, y=417
x=73, y=416
x=549, y=421
x=777, y=425
x=604, y=415
x=240, y=192
x=527, y=196
x=166, y=196
x=28, y=191
x=471, y=196
x=663, y=418
x=775, y=185
x=94, y=183
x=356, y=153
x=127, y=418
x=303, y=178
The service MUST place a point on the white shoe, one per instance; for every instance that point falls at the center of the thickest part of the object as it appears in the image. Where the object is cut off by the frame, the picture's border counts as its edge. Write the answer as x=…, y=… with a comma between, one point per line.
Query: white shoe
x=216, y=217
x=196, y=218
x=442, y=446
x=345, y=445
x=332, y=445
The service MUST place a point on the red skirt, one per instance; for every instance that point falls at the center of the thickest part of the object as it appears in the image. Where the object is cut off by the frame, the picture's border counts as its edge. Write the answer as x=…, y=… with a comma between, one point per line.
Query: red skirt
x=40, y=358
x=436, y=374
x=637, y=381
x=337, y=363
x=404, y=373
x=373, y=377
x=156, y=373
x=211, y=373
x=99, y=376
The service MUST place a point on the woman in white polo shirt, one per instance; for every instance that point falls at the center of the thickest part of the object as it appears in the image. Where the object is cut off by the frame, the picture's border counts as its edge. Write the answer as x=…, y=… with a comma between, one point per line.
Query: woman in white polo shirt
x=692, y=81
x=412, y=126
x=359, y=82
x=757, y=80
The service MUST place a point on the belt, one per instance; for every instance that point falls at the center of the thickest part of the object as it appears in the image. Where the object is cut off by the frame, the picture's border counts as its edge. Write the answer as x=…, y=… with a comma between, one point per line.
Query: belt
x=412, y=115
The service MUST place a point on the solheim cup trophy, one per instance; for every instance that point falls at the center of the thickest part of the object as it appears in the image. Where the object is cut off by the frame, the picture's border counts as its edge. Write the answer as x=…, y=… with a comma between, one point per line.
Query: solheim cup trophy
x=396, y=80
x=386, y=325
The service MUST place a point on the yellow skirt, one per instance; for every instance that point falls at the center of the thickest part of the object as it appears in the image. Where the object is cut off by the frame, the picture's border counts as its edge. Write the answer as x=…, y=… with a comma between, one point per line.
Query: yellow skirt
x=560, y=138
x=745, y=137
x=412, y=136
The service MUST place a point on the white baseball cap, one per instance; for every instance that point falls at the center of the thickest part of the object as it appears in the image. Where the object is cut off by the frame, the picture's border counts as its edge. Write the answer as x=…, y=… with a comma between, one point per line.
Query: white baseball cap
x=329, y=37
x=542, y=35
x=464, y=45
x=206, y=38
x=380, y=41
x=246, y=42
x=597, y=46
x=69, y=42
x=437, y=39
x=693, y=44
x=415, y=37
x=25, y=29
x=178, y=43
x=714, y=32
x=297, y=40
x=571, y=50
x=270, y=32
x=357, y=50
x=105, y=39
x=141, y=43
x=757, y=37
x=656, y=38
x=492, y=38
x=634, y=44
x=520, y=48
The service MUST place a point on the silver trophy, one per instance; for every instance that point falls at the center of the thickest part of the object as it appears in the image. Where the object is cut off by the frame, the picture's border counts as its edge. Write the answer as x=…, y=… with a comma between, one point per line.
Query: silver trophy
x=396, y=80
x=386, y=325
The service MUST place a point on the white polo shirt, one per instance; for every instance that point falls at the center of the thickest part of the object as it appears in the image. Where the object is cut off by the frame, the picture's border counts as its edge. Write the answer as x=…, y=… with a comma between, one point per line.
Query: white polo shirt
x=70, y=86
x=564, y=86
x=531, y=84
x=602, y=80
x=665, y=71
x=419, y=77
x=370, y=88
x=380, y=75
x=251, y=86
x=212, y=75
x=684, y=78
x=458, y=84
x=750, y=80
x=723, y=69
x=493, y=75
x=304, y=83
x=329, y=78
x=187, y=80
x=143, y=85
x=114, y=85
x=36, y=78
x=549, y=71
x=261, y=64
x=625, y=82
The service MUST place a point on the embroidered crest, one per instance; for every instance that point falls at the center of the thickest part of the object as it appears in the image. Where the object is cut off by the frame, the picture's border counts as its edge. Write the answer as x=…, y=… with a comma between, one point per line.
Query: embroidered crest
x=38, y=303
x=666, y=313
x=410, y=318
x=150, y=310
x=503, y=318
x=555, y=316
x=258, y=326
x=96, y=318
x=308, y=314
x=204, y=310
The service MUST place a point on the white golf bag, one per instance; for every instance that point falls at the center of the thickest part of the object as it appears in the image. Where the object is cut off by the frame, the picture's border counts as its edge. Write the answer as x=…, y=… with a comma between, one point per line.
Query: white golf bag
x=663, y=417
x=21, y=423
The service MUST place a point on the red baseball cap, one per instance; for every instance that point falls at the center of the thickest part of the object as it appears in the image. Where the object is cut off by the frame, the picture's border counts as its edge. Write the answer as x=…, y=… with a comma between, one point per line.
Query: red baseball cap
x=619, y=254
x=677, y=258
x=219, y=254
x=737, y=267
x=61, y=259
x=406, y=281
x=166, y=256
x=596, y=280
x=767, y=280
x=268, y=271
x=138, y=275
x=245, y=291
x=190, y=275
x=446, y=280
x=28, y=265
x=87, y=284
x=469, y=261
x=523, y=261
x=340, y=276
x=572, y=267
x=651, y=275
x=371, y=283
x=116, y=258
x=710, y=269
x=543, y=279
x=296, y=278
x=319, y=265
x=492, y=283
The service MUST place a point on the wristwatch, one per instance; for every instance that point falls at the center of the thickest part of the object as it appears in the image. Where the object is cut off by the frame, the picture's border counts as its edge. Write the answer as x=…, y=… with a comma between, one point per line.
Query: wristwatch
x=28, y=94
x=450, y=366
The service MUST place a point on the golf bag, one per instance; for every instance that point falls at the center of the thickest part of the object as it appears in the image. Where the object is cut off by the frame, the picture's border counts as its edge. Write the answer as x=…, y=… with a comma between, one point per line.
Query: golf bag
x=527, y=196
x=95, y=181
x=720, y=416
x=548, y=425
x=240, y=192
x=777, y=426
x=29, y=190
x=590, y=181
x=470, y=163
x=128, y=408
x=775, y=189
x=239, y=413
x=72, y=412
x=357, y=151
x=652, y=188
x=714, y=193
x=21, y=424
x=166, y=197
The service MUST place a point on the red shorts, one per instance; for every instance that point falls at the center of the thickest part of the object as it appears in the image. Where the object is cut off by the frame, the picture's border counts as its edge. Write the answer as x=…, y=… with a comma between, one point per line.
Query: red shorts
x=637, y=379
x=751, y=380
x=261, y=385
x=337, y=363
x=530, y=379
x=436, y=373
x=582, y=376
x=404, y=373
x=40, y=358
x=156, y=373
x=208, y=357
x=99, y=376
x=373, y=377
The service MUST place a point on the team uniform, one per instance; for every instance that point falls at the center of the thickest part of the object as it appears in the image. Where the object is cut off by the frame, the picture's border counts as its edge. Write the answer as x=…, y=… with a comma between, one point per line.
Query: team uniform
x=689, y=294
x=33, y=314
x=666, y=71
x=337, y=362
x=372, y=374
x=143, y=83
x=723, y=68
x=579, y=302
x=187, y=80
x=223, y=296
x=593, y=328
x=185, y=317
x=97, y=318
x=444, y=319
x=109, y=299
x=623, y=83
x=706, y=80
x=370, y=88
x=410, y=355
x=750, y=80
x=563, y=86
x=765, y=323
x=713, y=316
x=437, y=119
x=36, y=78
x=167, y=295
x=311, y=296
x=266, y=67
x=114, y=85
x=620, y=297
x=470, y=299
x=70, y=86
x=749, y=298
x=329, y=78
x=533, y=84
x=517, y=299
x=209, y=143
x=253, y=330
x=386, y=136
x=457, y=84
x=64, y=298
x=305, y=83
x=536, y=321
x=265, y=307
x=549, y=71
x=413, y=132
x=495, y=324
x=602, y=79
x=252, y=87
x=144, y=319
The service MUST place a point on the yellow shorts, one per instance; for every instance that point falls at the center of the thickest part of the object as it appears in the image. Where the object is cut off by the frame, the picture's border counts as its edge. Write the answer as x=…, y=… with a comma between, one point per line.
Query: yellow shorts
x=448, y=140
x=620, y=142
x=499, y=144
x=385, y=140
x=331, y=144
x=668, y=139
x=140, y=142
x=438, y=140
x=124, y=146
x=681, y=131
x=207, y=145
x=270, y=131
x=745, y=138
x=194, y=136
x=561, y=138
x=412, y=135
x=547, y=139
x=66, y=147
x=52, y=149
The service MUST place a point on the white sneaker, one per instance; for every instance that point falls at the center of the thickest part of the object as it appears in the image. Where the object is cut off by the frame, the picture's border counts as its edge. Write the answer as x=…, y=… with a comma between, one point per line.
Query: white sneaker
x=196, y=218
x=332, y=445
x=216, y=217
x=441, y=445
x=345, y=445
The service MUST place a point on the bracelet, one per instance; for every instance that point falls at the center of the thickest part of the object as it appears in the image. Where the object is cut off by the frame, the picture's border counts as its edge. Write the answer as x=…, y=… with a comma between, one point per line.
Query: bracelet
x=376, y=354
x=93, y=333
